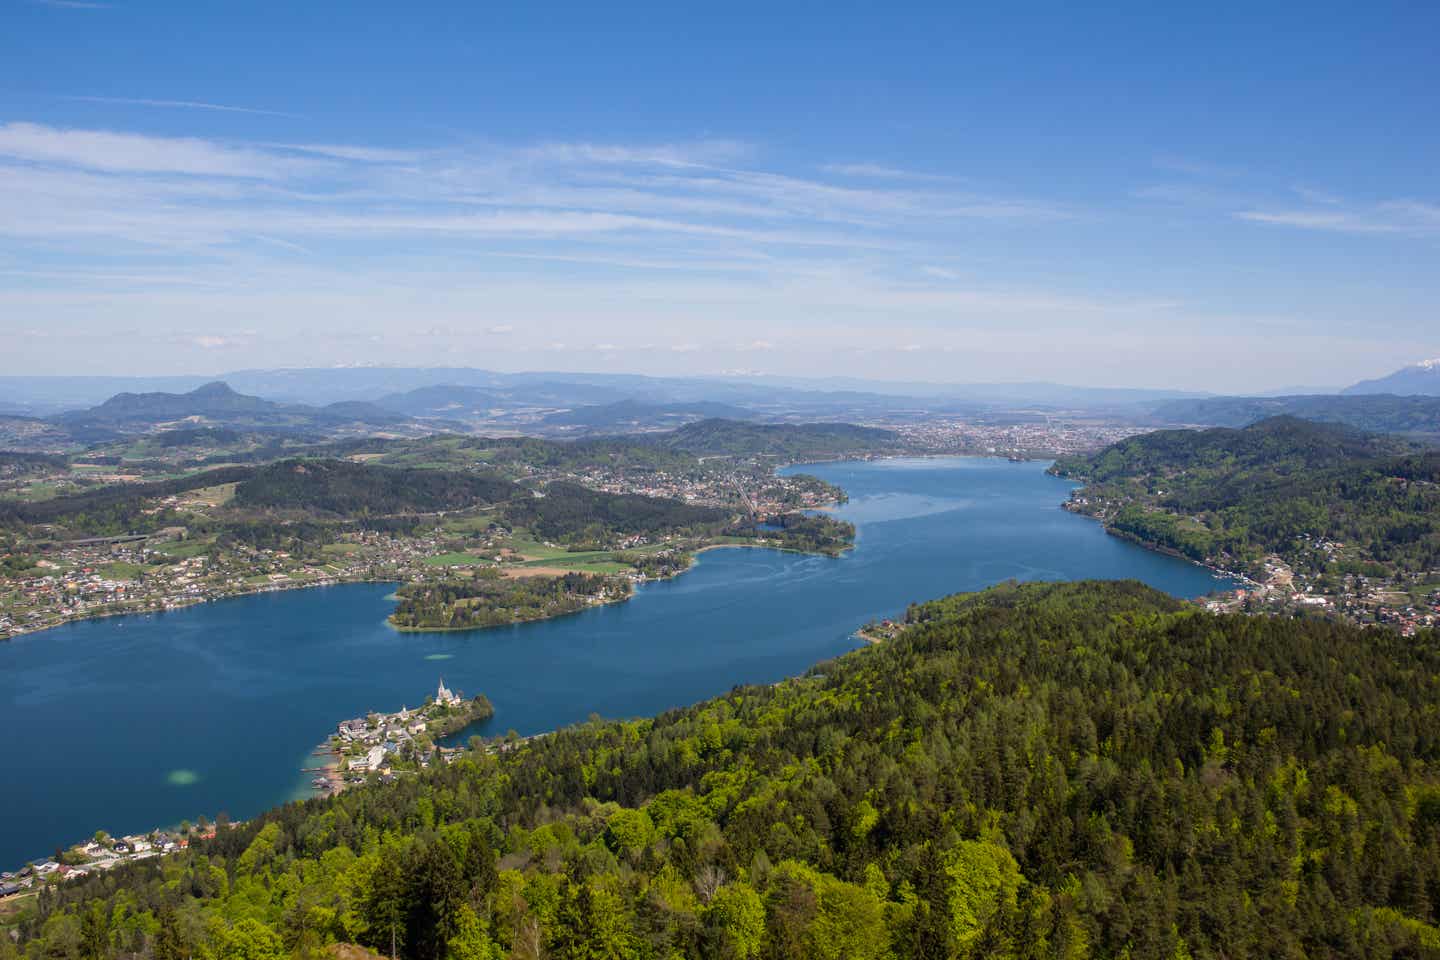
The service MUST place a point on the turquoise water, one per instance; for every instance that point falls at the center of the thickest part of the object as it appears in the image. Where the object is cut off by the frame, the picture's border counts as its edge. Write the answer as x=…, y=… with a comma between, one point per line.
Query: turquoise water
x=129, y=723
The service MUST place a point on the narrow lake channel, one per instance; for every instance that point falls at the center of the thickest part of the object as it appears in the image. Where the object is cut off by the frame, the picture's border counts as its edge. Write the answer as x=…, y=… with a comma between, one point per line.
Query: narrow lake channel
x=134, y=722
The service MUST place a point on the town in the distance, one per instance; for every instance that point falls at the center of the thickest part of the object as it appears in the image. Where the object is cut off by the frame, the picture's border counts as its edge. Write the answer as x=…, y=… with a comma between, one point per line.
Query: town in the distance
x=487, y=501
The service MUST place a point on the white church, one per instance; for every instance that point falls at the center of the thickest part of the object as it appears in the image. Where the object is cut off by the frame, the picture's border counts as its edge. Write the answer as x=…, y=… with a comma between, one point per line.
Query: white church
x=445, y=695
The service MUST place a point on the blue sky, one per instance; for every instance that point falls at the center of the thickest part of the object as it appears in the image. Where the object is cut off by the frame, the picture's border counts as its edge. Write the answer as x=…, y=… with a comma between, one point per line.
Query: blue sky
x=1209, y=197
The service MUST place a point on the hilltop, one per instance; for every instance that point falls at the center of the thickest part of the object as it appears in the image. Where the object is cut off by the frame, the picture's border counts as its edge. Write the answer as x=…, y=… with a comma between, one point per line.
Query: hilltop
x=218, y=405
x=1354, y=517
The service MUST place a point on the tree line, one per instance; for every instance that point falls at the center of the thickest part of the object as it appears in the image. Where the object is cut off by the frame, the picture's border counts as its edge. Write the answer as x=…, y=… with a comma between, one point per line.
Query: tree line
x=1058, y=771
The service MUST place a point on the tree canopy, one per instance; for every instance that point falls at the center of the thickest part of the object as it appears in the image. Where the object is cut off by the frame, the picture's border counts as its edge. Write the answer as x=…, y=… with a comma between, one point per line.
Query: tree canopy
x=1077, y=770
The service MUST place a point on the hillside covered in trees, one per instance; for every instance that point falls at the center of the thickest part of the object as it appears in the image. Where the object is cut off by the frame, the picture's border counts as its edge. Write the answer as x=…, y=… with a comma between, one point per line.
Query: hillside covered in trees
x=343, y=488
x=489, y=599
x=1077, y=770
x=785, y=441
x=1282, y=486
x=570, y=512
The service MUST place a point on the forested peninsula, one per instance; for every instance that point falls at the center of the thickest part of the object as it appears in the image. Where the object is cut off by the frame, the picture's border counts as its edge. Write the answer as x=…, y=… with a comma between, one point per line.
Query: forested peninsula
x=1073, y=770
x=1326, y=511
x=490, y=599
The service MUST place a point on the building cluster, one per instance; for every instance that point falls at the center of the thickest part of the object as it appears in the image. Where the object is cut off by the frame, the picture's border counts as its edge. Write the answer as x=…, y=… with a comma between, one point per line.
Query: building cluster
x=1354, y=597
x=99, y=855
x=714, y=486
x=139, y=575
x=1041, y=437
x=370, y=744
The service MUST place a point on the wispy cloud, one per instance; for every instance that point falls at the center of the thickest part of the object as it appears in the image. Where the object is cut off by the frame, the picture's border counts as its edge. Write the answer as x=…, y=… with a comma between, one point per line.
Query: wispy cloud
x=876, y=171
x=506, y=249
x=112, y=152
x=179, y=104
x=360, y=154
x=1401, y=217
x=1297, y=206
x=184, y=190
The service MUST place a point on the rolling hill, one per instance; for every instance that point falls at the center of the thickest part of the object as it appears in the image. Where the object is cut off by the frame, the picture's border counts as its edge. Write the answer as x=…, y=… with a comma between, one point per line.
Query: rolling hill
x=801, y=441
x=217, y=405
x=1316, y=494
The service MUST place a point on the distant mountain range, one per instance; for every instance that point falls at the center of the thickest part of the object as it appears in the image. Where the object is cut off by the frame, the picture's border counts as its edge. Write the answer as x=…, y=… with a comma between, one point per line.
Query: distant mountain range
x=461, y=391
x=1420, y=379
x=213, y=404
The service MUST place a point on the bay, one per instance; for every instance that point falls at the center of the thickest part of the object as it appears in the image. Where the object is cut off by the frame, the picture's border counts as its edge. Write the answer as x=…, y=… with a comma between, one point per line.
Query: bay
x=134, y=722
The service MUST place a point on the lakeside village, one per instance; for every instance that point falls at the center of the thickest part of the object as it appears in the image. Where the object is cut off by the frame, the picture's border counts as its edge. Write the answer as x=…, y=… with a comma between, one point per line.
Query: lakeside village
x=377, y=746
x=1354, y=597
x=384, y=745
x=170, y=569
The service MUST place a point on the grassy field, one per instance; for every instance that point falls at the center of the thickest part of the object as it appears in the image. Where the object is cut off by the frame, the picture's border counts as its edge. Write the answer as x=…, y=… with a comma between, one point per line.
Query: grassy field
x=592, y=562
x=40, y=490
x=535, y=550
x=184, y=549
x=120, y=570
x=221, y=493
x=454, y=560
x=467, y=525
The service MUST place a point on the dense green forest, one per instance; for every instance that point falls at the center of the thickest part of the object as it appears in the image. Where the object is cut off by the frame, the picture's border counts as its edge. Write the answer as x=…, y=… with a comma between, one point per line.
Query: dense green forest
x=1077, y=770
x=1278, y=486
x=490, y=599
x=517, y=456
x=571, y=513
x=784, y=441
x=810, y=533
x=343, y=488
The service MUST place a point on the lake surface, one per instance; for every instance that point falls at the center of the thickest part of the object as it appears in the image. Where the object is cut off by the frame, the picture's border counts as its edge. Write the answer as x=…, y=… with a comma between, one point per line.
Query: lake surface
x=130, y=723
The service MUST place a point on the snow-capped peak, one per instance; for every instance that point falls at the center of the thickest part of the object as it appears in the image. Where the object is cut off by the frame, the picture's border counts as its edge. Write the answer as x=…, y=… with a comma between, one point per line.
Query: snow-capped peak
x=1429, y=364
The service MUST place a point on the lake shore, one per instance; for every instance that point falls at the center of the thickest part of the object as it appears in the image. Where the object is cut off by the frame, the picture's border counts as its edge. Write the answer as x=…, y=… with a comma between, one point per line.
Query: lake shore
x=275, y=671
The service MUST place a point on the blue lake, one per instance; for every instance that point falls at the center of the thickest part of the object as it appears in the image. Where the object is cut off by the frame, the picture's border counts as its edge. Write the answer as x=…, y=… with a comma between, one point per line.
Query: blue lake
x=129, y=723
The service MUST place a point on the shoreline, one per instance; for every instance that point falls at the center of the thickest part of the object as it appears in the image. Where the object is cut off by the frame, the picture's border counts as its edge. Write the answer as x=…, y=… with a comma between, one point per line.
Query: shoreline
x=694, y=559
x=199, y=601
x=341, y=581
x=389, y=621
x=1161, y=549
x=16, y=632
